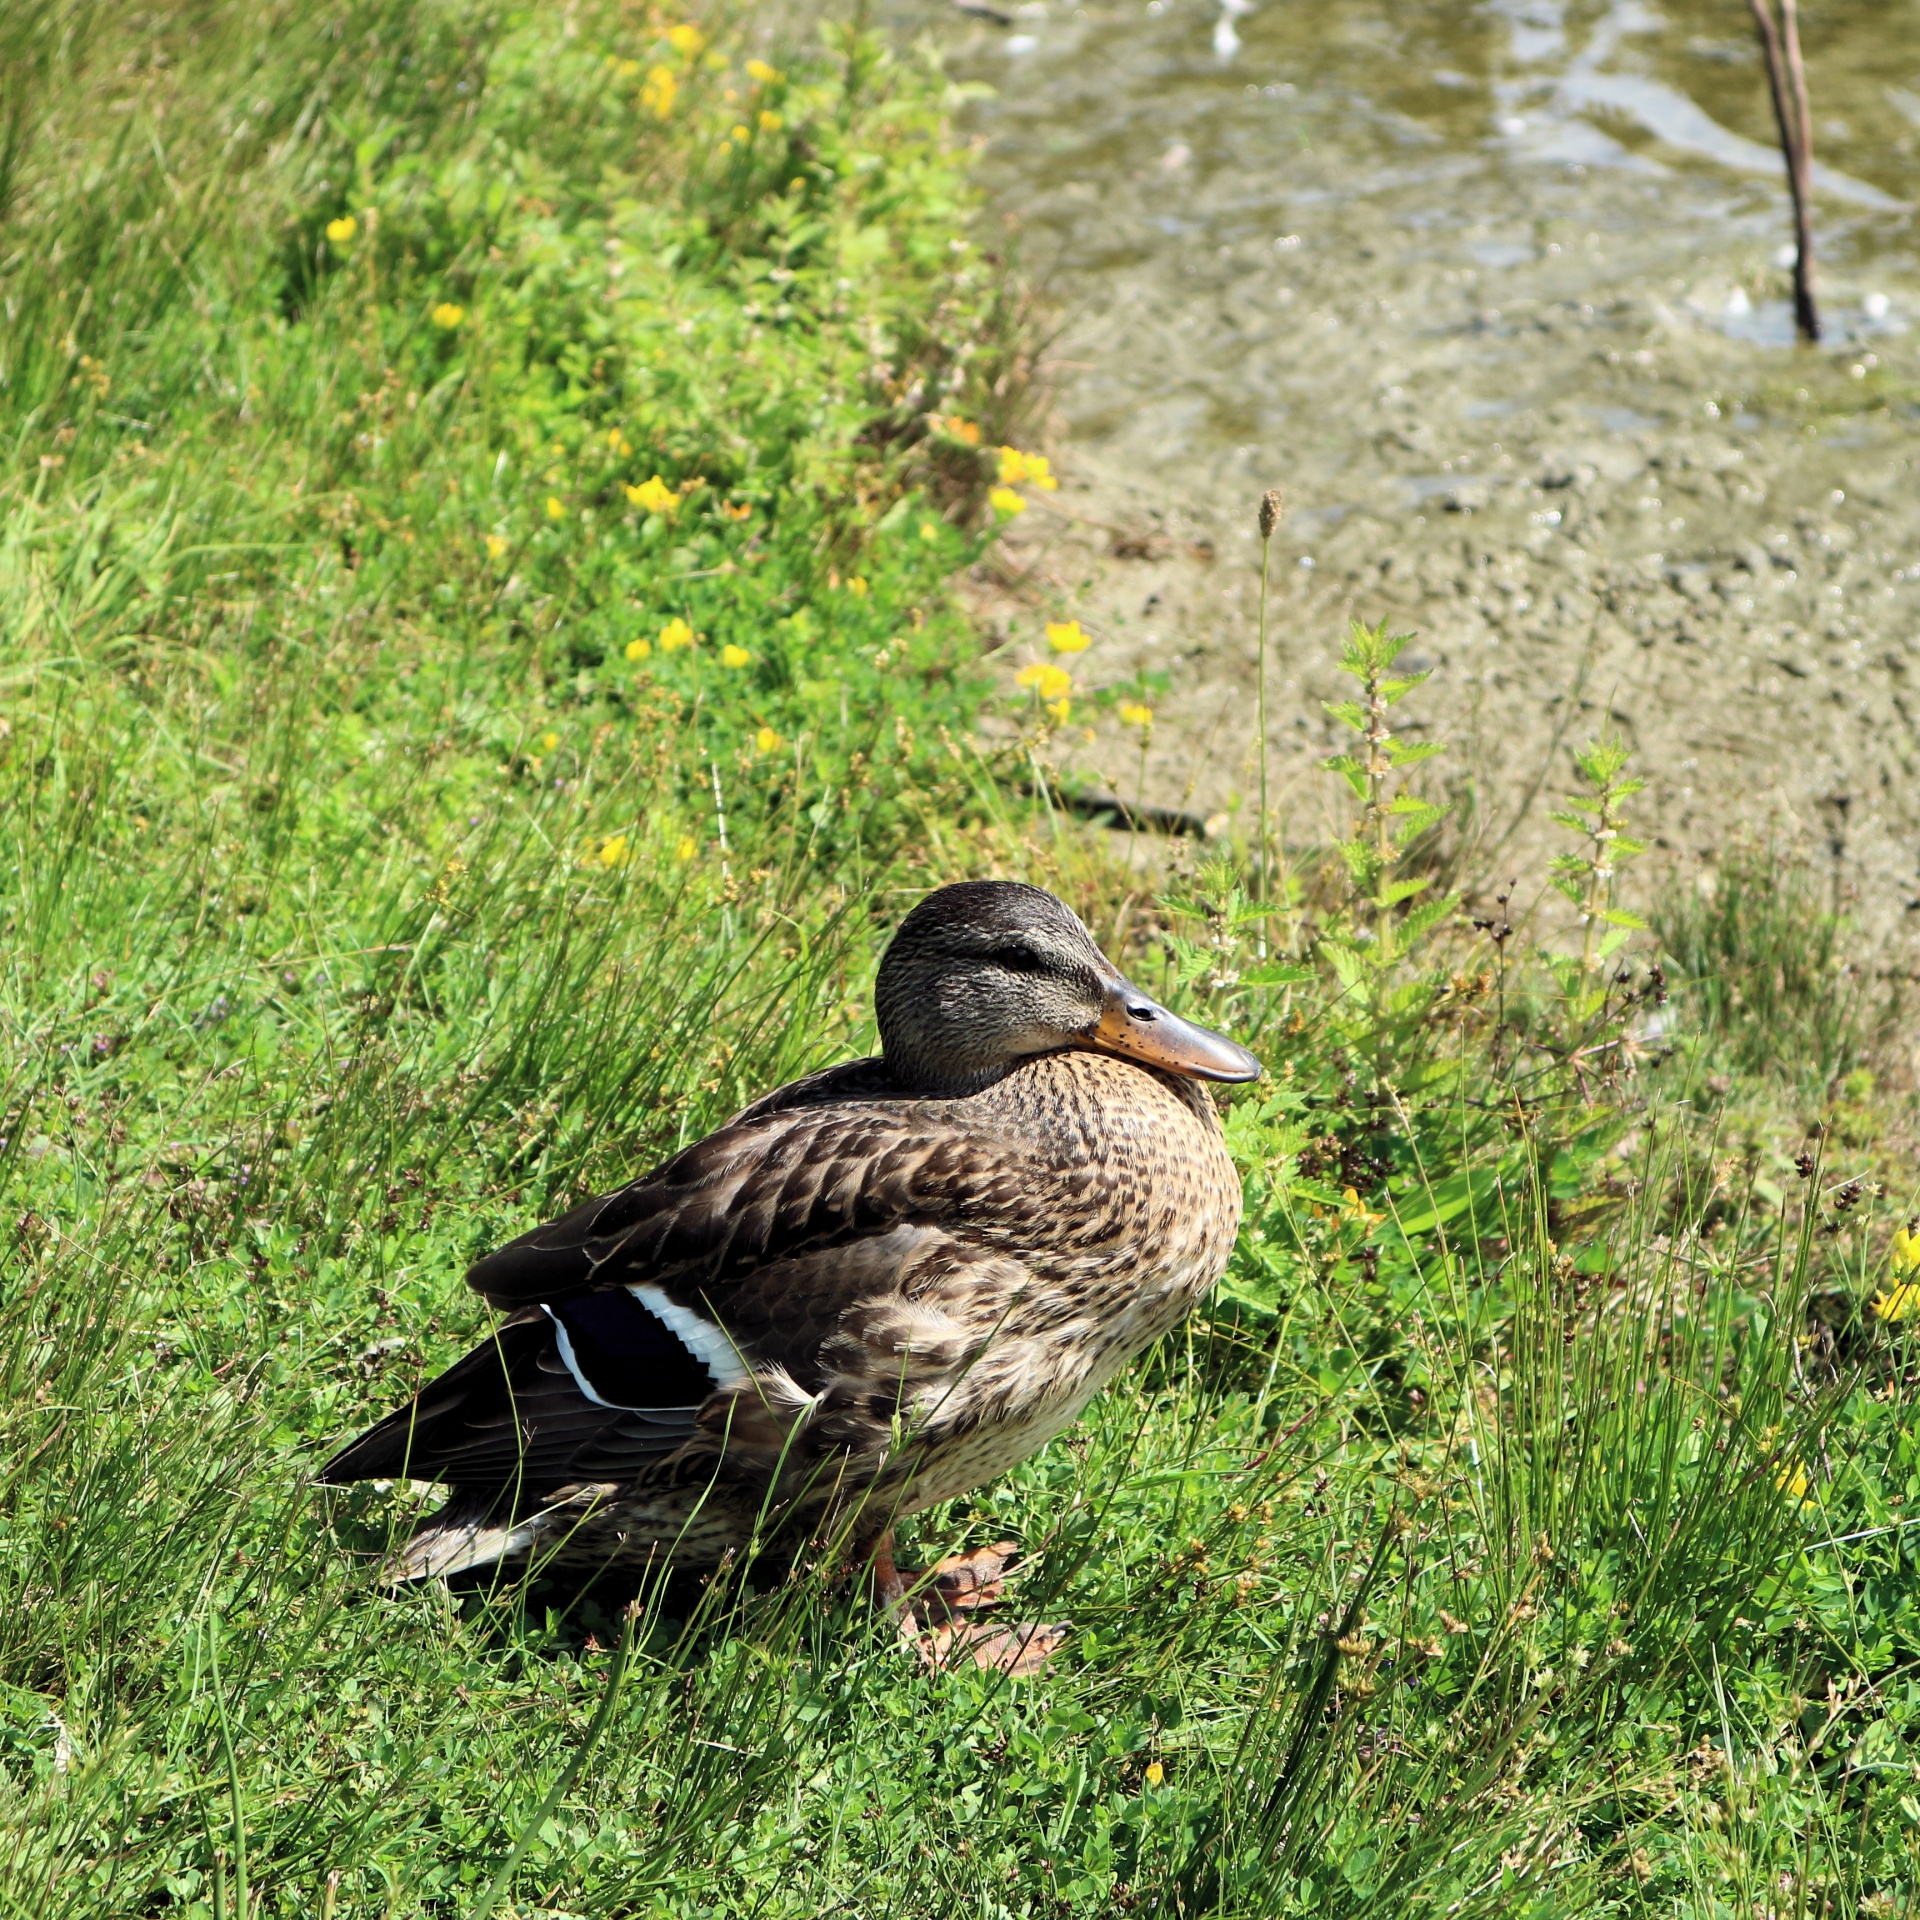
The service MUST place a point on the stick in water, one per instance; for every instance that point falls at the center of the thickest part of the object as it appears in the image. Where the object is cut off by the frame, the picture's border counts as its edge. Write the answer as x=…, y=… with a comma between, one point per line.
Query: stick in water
x=1787, y=79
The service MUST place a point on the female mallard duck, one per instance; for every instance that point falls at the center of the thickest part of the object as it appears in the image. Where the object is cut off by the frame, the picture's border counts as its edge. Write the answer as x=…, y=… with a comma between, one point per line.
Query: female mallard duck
x=874, y=1289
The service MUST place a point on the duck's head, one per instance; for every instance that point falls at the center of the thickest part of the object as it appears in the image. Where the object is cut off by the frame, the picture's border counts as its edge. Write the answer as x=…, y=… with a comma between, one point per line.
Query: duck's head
x=985, y=973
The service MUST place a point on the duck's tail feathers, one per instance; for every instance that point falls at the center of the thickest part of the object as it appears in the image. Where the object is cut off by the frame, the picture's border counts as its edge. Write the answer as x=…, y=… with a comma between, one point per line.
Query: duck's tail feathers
x=470, y=1531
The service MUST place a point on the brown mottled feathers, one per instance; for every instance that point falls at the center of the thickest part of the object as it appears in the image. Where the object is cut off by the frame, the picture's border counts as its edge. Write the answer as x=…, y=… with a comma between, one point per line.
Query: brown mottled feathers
x=815, y=1166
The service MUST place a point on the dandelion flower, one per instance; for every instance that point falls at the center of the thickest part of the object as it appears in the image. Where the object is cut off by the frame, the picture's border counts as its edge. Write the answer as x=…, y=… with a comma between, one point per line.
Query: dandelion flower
x=770, y=122
x=675, y=635
x=761, y=74
x=1047, y=680
x=548, y=741
x=1013, y=466
x=656, y=96
x=496, y=546
x=1067, y=636
x=613, y=851
x=686, y=39
x=732, y=656
x=655, y=495
x=1005, y=500
x=857, y=586
x=687, y=848
x=1134, y=714
x=639, y=649
x=768, y=741
x=342, y=230
x=556, y=507
x=446, y=316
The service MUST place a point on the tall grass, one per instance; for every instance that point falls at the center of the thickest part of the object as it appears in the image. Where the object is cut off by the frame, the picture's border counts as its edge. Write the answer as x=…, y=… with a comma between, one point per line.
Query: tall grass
x=1502, y=1541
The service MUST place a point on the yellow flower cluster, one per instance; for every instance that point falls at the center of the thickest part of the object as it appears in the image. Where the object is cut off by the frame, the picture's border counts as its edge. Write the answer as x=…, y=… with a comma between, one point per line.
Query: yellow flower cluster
x=654, y=495
x=1067, y=636
x=1019, y=469
x=675, y=635
x=761, y=74
x=446, y=316
x=1004, y=501
x=1901, y=1300
x=1051, y=685
x=686, y=39
x=656, y=94
x=342, y=230
x=732, y=656
x=1134, y=714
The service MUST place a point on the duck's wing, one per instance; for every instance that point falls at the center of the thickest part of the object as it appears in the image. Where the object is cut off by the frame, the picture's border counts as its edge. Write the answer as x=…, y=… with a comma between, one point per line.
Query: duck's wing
x=767, y=1189
x=744, y=1252
x=598, y=1388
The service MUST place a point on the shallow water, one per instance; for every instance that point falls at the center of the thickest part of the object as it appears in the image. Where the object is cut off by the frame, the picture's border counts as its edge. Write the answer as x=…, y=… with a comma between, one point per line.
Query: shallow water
x=1496, y=292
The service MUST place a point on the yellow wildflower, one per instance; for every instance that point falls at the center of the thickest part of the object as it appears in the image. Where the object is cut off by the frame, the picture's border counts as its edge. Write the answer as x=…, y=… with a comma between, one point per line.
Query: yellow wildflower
x=618, y=441
x=857, y=586
x=744, y=511
x=962, y=430
x=639, y=649
x=342, y=230
x=1792, y=1480
x=1155, y=1774
x=686, y=39
x=1005, y=500
x=770, y=122
x=761, y=74
x=496, y=546
x=1013, y=466
x=1906, y=1250
x=548, y=741
x=687, y=848
x=732, y=656
x=675, y=635
x=928, y=531
x=1068, y=636
x=1049, y=681
x=655, y=495
x=1060, y=709
x=556, y=507
x=657, y=94
x=447, y=316
x=1134, y=714
x=613, y=851
x=1040, y=473
x=1899, y=1302
x=768, y=741
x=740, y=136
x=626, y=69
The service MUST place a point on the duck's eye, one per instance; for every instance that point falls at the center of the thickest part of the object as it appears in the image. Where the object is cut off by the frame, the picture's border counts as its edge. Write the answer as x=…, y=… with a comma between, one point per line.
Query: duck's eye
x=1018, y=960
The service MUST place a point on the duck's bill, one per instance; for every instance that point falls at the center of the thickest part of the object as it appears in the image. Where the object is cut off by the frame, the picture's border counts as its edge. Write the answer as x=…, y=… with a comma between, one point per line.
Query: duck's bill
x=1137, y=1028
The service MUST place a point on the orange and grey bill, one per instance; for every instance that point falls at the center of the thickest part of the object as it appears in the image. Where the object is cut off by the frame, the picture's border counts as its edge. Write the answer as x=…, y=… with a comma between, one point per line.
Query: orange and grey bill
x=1137, y=1028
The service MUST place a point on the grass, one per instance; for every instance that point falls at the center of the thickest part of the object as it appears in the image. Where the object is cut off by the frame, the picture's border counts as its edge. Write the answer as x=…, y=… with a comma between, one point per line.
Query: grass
x=1520, y=1531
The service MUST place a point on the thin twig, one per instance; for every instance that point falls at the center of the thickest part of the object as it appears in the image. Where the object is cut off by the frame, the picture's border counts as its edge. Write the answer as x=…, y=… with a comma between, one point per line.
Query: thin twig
x=1787, y=81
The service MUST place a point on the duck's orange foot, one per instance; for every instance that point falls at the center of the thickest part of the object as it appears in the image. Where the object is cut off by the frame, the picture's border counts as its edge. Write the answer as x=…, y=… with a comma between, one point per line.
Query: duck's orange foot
x=1015, y=1651
x=963, y=1583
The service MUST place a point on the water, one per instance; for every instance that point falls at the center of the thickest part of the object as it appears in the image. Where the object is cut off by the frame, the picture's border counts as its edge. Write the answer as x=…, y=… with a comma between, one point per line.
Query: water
x=1497, y=293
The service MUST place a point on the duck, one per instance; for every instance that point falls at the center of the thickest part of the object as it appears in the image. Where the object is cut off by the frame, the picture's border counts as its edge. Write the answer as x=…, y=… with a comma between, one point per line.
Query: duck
x=876, y=1288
